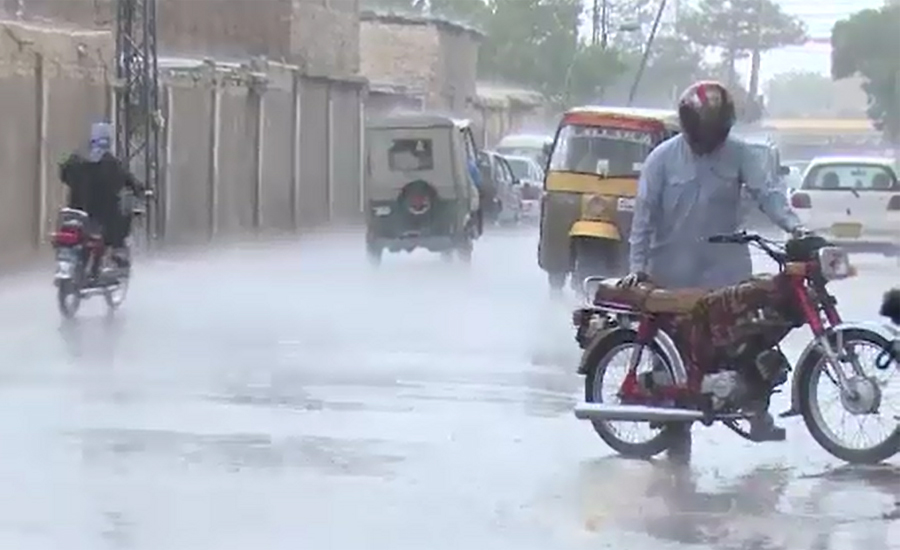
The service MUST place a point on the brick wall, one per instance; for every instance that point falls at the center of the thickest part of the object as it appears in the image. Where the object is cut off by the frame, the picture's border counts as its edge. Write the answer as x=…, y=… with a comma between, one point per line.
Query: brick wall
x=385, y=56
x=53, y=85
x=431, y=55
x=321, y=36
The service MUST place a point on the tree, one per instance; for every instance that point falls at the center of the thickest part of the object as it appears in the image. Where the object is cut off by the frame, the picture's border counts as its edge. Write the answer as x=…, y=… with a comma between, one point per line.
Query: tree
x=475, y=12
x=799, y=94
x=741, y=28
x=866, y=44
x=536, y=43
x=593, y=68
x=629, y=23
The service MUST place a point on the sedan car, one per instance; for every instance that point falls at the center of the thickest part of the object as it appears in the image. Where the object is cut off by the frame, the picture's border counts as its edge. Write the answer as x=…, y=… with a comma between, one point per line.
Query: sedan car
x=497, y=175
x=852, y=200
x=531, y=180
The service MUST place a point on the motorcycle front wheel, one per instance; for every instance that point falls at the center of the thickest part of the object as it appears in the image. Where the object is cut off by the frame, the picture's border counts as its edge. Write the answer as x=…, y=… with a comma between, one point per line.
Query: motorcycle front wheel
x=870, y=399
x=68, y=298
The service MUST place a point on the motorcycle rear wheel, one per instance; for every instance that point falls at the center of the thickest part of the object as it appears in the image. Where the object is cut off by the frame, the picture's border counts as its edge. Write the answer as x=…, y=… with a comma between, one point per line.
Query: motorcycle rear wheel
x=115, y=296
x=68, y=298
x=597, y=356
x=889, y=447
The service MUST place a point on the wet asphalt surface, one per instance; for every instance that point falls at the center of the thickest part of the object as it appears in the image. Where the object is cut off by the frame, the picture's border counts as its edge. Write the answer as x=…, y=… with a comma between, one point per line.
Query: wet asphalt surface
x=287, y=396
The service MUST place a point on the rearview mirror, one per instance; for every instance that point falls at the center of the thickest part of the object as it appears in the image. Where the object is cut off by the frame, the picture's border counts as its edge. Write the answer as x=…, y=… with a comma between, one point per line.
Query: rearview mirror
x=784, y=170
x=547, y=149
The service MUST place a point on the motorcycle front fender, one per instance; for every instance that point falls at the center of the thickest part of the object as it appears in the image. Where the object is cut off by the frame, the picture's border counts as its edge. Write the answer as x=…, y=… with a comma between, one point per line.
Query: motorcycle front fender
x=882, y=329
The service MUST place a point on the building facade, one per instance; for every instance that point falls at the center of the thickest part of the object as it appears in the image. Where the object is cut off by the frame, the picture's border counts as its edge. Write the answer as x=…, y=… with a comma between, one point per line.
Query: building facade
x=320, y=37
x=430, y=58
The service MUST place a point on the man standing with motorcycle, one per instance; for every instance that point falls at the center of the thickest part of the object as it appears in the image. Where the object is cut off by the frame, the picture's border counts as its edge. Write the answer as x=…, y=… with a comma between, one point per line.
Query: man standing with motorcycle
x=97, y=182
x=689, y=190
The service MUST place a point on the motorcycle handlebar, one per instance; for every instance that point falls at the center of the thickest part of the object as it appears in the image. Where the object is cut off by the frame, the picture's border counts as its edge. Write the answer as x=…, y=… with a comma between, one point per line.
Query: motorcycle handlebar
x=743, y=237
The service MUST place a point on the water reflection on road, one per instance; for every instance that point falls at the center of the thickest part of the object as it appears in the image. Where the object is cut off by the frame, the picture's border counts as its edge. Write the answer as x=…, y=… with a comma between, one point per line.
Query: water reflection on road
x=287, y=394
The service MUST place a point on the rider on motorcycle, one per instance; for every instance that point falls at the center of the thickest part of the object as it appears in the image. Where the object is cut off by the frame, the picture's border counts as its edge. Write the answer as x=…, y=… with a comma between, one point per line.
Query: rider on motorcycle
x=96, y=183
x=890, y=306
x=689, y=190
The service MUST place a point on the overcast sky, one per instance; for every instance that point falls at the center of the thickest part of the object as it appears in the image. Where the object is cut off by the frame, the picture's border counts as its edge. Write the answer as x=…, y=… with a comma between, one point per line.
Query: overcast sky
x=819, y=16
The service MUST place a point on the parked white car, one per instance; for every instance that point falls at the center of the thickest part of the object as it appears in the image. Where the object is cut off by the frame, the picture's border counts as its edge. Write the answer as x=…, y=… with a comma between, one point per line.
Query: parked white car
x=507, y=188
x=526, y=145
x=851, y=200
x=531, y=182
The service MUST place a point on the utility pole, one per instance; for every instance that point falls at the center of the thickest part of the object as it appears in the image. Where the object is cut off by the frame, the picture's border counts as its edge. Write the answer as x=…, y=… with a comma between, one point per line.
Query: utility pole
x=600, y=23
x=137, y=96
x=756, y=54
x=604, y=24
x=646, y=56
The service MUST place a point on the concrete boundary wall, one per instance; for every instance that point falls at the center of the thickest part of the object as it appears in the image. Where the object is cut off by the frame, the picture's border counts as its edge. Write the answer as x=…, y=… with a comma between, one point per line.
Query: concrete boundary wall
x=251, y=147
x=53, y=82
x=257, y=147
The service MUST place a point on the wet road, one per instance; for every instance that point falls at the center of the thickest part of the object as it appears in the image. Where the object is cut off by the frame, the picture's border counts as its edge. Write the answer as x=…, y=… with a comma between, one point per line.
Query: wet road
x=287, y=396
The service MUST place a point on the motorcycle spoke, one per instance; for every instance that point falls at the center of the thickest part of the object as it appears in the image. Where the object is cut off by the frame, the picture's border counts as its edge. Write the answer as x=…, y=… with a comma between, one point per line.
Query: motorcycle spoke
x=851, y=428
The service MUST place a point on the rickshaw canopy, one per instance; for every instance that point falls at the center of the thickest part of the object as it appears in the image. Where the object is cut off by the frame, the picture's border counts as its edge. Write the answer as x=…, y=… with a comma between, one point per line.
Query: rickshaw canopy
x=623, y=117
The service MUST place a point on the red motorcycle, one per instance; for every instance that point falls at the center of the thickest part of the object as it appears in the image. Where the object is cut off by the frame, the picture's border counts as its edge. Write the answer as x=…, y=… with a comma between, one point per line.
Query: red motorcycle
x=662, y=391
x=82, y=267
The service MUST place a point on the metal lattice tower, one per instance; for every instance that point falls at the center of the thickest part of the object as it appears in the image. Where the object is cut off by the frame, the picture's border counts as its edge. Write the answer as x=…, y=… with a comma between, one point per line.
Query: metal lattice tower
x=138, y=117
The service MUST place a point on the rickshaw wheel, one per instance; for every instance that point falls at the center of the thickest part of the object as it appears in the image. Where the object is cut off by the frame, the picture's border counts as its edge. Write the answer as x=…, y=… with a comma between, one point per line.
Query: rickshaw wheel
x=595, y=258
x=374, y=254
x=557, y=281
x=465, y=251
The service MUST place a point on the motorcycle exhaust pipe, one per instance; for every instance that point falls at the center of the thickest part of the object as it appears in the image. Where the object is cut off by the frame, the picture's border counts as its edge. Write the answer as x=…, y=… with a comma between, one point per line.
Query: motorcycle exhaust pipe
x=634, y=413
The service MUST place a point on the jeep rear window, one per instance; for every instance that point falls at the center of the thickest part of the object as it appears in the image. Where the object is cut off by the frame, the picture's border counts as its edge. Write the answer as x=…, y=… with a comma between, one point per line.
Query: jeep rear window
x=406, y=155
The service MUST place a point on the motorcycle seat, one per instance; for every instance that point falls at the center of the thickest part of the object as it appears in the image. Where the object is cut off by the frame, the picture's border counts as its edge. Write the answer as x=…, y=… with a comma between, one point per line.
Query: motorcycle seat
x=648, y=298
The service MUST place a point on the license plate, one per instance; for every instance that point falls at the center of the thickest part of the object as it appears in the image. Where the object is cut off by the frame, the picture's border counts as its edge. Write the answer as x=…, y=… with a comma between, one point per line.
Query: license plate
x=625, y=204
x=382, y=210
x=65, y=269
x=846, y=230
x=66, y=254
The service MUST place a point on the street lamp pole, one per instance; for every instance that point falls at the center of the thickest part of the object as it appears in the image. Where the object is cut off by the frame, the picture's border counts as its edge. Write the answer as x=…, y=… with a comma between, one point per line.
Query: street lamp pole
x=646, y=56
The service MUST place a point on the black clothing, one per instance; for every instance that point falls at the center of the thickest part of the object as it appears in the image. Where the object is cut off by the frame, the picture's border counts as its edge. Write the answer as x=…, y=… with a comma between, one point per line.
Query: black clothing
x=890, y=306
x=95, y=187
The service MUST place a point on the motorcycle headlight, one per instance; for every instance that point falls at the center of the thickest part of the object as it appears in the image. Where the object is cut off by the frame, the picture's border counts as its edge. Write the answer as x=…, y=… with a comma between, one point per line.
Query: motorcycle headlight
x=834, y=263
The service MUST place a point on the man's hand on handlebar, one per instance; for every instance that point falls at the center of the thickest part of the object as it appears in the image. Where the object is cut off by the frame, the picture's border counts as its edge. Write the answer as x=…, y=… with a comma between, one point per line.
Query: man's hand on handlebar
x=801, y=233
x=633, y=279
x=741, y=237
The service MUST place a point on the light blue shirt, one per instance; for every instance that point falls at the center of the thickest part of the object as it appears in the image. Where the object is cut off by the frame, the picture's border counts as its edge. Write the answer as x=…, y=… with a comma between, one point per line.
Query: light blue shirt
x=474, y=173
x=684, y=198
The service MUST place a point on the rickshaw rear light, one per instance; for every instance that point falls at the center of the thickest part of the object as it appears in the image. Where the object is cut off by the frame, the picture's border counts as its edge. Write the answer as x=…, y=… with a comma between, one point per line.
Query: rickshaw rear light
x=801, y=200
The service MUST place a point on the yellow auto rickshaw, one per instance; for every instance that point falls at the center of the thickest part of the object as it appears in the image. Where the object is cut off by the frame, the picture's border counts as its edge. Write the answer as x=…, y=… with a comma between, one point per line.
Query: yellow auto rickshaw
x=591, y=182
